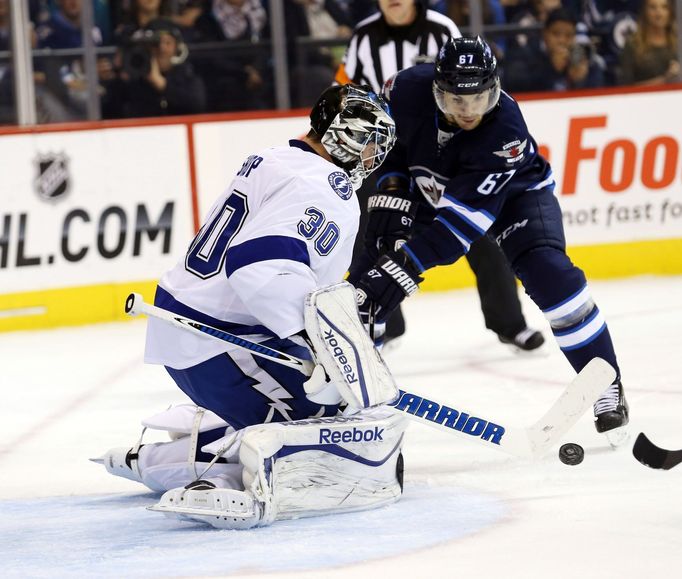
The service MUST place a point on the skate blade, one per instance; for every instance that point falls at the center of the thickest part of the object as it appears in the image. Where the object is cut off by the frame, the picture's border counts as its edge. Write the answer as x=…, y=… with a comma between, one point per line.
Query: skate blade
x=618, y=436
x=190, y=511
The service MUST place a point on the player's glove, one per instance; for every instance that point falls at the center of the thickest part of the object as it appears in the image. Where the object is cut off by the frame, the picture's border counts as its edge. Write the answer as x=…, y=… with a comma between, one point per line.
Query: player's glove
x=390, y=218
x=381, y=289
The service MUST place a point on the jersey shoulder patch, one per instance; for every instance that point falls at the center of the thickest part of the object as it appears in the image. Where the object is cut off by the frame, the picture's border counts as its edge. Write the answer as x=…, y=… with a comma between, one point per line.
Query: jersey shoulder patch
x=513, y=151
x=341, y=185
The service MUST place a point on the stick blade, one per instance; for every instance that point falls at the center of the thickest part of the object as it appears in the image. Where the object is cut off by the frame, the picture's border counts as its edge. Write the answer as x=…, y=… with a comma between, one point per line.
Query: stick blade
x=652, y=456
x=579, y=395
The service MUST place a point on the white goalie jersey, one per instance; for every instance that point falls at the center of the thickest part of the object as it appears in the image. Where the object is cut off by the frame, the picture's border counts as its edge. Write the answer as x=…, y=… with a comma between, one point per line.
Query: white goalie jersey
x=283, y=228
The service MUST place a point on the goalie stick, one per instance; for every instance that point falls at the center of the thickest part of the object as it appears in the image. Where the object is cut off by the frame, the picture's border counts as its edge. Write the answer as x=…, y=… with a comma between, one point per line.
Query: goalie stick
x=135, y=305
x=652, y=456
x=530, y=442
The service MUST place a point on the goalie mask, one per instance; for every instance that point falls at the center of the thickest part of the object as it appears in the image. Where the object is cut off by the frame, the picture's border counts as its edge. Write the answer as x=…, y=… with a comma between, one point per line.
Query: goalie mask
x=466, y=85
x=355, y=128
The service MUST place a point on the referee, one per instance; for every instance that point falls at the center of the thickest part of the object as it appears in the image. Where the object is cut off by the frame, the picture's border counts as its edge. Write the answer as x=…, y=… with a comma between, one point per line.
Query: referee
x=404, y=33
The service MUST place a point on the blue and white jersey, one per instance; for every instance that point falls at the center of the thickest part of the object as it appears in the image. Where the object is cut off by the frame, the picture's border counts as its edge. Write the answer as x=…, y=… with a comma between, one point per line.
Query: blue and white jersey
x=284, y=227
x=466, y=177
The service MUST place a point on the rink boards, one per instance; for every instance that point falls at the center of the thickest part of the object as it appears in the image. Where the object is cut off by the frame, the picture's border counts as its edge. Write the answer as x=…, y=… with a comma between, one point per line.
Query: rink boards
x=92, y=211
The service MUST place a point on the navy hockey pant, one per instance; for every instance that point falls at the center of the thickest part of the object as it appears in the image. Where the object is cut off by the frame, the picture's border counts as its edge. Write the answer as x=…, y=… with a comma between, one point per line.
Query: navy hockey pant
x=244, y=389
x=530, y=232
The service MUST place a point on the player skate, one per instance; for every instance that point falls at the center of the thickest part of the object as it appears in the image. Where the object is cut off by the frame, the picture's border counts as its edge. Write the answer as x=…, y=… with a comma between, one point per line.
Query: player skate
x=611, y=413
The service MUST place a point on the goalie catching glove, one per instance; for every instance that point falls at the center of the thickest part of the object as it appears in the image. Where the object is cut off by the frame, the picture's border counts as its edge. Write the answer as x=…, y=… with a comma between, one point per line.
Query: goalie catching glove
x=389, y=282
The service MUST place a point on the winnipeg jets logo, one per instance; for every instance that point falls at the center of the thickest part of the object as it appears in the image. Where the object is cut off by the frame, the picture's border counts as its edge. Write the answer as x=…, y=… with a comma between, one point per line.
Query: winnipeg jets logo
x=341, y=185
x=512, y=152
x=430, y=188
x=444, y=137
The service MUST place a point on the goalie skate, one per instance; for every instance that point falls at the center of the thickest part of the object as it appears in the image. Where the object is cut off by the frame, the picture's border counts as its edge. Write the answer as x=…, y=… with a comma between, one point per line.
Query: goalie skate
x=120, y=462
x=202, y=502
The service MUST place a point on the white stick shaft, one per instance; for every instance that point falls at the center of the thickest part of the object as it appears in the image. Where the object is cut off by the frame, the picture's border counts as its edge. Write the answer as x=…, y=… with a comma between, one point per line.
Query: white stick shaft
x=136, y=305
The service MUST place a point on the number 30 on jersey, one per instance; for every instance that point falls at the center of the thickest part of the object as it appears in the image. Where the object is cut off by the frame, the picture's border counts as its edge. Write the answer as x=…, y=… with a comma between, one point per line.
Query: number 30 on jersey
x=326, y=233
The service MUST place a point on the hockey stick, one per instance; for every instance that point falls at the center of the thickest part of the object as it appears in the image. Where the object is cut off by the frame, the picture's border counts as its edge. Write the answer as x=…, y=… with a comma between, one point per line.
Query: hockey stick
x=530, y=442
x=136, y=305
x=652, y=456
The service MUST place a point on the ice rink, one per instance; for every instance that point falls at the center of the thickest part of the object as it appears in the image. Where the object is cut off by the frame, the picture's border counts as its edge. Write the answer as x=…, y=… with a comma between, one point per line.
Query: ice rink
x=468, y=511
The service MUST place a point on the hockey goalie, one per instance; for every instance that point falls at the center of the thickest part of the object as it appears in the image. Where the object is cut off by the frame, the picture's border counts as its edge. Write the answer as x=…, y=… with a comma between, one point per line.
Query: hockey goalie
x=263, y=441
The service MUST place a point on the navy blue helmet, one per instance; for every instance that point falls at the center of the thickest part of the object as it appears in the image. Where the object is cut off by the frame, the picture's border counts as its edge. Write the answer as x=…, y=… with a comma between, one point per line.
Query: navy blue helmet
x=466, y=66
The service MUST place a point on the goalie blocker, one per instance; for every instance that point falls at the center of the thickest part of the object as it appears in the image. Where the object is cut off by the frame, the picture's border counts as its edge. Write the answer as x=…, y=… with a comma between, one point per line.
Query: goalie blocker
x=298, y=469
x=342, y=346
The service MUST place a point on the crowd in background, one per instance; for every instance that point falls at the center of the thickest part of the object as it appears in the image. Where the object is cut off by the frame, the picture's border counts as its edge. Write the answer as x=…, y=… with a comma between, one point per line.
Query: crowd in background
x=192, y=56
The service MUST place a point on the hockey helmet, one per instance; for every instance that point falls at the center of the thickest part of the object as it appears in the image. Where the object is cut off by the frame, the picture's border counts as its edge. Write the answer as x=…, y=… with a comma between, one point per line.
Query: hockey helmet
x=466, y=74
x=355, y=127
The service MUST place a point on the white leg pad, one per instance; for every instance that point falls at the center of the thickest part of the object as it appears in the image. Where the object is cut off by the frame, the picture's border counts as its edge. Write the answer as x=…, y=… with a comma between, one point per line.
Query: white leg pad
x=302, y=469
x=345, y=350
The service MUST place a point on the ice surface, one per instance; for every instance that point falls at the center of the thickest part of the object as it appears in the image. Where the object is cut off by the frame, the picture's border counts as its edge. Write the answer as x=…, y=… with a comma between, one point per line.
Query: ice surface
x=71, y=394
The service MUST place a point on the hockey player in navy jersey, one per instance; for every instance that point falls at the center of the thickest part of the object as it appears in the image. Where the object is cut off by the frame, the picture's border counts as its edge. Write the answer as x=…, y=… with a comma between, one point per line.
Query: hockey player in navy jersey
x=264, y=441
x=465, y=157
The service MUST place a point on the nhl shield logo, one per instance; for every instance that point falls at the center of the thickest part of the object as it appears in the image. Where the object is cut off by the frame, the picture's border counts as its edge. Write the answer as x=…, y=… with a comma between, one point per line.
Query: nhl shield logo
x=52, y=182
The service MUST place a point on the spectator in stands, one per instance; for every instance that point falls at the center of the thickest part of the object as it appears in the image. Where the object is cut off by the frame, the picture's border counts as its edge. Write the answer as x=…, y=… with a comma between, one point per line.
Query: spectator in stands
x=493, y=13
x=140, y=14
x=531, y=15
x=7, y=115
x=63, y=29
x=232, y=20
x=609, y=23
x=312, y=67
x=65, y=93
x=4, y=25
x=233, y=75
x=155, y=78
x=188, y=12
x=650, y=54
x=562, y=62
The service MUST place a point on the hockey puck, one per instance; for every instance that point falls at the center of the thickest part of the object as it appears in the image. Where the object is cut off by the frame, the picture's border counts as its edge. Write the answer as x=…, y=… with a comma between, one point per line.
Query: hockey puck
x=571, y=453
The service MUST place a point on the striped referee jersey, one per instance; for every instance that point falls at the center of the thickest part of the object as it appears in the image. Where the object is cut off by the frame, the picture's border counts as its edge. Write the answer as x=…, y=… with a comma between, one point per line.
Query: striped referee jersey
x=377, y=51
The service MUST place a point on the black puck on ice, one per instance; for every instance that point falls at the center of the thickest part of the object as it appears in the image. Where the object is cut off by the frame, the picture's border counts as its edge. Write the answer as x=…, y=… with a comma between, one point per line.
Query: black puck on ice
x=571, y=453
